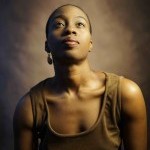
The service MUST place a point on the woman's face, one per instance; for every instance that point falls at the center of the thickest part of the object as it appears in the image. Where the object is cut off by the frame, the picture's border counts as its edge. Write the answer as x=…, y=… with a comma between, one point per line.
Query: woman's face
x=69, y=34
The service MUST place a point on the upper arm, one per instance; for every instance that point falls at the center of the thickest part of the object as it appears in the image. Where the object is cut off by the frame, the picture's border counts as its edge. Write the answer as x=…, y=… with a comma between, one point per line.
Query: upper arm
x=23, y=125
x=134, y=119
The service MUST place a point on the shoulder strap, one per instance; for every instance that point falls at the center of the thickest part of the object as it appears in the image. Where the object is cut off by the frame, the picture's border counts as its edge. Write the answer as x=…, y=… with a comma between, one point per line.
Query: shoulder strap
x=114, y=97
x=38, y=107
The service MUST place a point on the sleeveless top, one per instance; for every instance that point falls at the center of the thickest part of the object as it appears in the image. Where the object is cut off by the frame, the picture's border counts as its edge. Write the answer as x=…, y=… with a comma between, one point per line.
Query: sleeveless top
x=103, y=135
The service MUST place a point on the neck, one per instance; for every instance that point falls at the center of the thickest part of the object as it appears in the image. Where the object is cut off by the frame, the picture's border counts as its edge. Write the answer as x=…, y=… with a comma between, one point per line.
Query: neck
x=72, y=76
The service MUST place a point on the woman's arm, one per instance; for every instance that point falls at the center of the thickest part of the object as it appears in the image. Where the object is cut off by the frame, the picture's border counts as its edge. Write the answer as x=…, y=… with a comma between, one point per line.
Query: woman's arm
x=134, y=116
x=23, y=126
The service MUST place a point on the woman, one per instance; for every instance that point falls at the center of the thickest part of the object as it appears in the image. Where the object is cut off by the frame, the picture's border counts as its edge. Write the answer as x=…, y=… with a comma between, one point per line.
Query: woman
x=78, y=108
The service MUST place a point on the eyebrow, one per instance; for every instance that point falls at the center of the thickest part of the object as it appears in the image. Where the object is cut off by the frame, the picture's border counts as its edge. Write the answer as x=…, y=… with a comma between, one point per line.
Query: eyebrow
x=64, y=17
x=82, y=18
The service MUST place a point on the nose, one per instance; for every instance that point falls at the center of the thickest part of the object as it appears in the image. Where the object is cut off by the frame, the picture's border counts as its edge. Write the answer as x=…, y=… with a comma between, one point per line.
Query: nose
x=70, y=30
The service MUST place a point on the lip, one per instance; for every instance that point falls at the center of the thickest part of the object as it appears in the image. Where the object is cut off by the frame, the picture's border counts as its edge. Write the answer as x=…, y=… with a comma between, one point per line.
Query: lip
x=70, y=41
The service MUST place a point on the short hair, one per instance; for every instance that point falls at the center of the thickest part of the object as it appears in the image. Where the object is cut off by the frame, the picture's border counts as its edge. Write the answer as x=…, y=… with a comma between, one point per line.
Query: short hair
x=49, y=19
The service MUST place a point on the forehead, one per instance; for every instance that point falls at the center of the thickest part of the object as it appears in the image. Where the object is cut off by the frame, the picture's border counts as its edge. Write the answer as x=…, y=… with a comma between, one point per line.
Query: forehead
x=70, y=11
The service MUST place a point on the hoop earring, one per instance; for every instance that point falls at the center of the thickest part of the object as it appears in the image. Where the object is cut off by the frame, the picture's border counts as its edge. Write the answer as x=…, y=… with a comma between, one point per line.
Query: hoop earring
x=49, y=59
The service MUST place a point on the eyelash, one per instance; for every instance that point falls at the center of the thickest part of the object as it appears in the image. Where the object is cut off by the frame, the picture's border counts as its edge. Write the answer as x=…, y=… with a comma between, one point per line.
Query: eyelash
x=79, y=24
x=59, y=24
x=62, y=24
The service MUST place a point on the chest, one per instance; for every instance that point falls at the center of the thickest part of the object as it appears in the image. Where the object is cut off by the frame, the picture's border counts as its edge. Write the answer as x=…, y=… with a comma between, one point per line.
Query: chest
x=70, y=115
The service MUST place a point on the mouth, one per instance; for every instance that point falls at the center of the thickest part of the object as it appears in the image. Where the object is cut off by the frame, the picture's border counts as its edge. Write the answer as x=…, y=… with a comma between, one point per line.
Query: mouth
x=70, y=42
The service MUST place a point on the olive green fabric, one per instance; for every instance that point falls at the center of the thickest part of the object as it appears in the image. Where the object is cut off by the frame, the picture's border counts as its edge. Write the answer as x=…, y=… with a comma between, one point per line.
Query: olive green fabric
x=103, y=135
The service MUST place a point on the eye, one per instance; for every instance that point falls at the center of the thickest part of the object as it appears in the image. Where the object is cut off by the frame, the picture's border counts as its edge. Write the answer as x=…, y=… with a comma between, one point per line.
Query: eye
x=80, y=24
x=59, y=24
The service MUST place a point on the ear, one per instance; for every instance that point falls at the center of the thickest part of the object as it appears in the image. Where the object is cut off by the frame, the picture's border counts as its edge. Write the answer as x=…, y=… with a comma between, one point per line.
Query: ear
x=47, y=47
x=91, y=45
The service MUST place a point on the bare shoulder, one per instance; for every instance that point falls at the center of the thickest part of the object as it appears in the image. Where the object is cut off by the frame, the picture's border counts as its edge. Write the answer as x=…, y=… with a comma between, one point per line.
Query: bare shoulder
x=24, y=139
x=23, y=112
x=130, y=89
x=134, y=117
x=132, y=99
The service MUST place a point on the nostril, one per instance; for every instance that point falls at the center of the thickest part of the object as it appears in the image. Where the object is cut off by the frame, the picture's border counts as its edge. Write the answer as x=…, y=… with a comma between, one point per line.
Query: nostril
x=74, y=32
x=69, y=31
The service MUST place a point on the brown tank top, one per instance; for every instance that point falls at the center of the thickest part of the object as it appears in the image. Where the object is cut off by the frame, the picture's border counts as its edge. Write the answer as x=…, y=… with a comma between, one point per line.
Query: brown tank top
x=103, y=135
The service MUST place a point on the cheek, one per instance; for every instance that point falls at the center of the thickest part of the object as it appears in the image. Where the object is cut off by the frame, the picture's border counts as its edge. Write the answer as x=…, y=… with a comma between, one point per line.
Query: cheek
x=52, y=36
x=86, y=40
x=52, y=40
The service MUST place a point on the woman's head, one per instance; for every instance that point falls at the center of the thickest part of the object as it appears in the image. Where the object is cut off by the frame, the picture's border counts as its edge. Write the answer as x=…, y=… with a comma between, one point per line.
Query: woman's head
x=68, y=33
x=53, y=13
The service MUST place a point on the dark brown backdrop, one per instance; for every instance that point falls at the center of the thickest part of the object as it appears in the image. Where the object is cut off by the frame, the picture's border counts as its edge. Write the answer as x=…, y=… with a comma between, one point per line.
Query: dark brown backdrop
x=121, y=35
